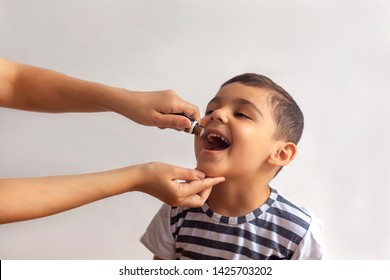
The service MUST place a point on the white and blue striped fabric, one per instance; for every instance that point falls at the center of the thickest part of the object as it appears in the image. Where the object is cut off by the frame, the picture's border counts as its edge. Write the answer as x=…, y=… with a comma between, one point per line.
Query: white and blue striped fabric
x=276, y=230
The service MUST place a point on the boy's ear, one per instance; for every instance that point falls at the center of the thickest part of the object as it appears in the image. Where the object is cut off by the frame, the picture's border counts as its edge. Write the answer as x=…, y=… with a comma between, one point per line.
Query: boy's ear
x=285, y=153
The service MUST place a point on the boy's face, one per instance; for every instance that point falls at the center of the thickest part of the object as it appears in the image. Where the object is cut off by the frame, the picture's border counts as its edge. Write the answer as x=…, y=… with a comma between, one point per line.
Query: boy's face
x=239, y=130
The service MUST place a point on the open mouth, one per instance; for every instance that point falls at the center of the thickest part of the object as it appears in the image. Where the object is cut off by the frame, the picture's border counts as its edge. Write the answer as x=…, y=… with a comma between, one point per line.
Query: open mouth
x=215, y=142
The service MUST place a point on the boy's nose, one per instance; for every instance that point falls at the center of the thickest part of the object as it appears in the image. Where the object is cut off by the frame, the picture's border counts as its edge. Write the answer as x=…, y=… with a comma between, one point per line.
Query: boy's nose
x=219, y=115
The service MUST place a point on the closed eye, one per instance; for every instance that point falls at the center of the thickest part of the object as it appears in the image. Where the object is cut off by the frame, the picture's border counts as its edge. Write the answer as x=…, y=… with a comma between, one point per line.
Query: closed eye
x=241, y=115
x=208, y=112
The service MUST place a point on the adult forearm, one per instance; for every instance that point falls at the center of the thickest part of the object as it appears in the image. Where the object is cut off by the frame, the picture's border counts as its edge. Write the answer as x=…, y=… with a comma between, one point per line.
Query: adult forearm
x=32, y=88
x=28, y=198
x=36, y=89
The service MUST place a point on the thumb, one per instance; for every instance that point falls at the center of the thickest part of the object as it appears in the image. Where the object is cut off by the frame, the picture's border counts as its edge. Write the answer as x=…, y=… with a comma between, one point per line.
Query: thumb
x=196, y=192
x=173, y=121
x=198, y=186
x=185, y=174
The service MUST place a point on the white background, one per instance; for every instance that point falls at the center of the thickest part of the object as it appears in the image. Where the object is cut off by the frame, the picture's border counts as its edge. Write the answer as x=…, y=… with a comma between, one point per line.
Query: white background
x=333, y=56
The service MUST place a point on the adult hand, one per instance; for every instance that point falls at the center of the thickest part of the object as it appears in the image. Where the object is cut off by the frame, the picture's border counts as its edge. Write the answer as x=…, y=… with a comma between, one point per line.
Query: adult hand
x=29, y=198
x=155, y=108
x=36, y=89
x=174, y=185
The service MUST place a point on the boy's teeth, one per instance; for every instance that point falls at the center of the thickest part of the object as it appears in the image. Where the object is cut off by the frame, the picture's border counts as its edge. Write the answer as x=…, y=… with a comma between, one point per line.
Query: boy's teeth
x=216, y=135
x=215, y=142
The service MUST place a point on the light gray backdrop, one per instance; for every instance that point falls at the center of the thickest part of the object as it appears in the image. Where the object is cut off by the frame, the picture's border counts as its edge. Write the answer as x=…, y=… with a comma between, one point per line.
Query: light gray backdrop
x=333, y=56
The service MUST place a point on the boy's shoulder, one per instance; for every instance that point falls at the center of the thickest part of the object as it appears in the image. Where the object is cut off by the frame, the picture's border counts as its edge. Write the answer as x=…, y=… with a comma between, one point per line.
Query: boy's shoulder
x=283, y=207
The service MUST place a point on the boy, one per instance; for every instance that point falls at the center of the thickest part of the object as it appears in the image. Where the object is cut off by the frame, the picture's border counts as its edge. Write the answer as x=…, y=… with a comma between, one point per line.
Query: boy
x=252, y=127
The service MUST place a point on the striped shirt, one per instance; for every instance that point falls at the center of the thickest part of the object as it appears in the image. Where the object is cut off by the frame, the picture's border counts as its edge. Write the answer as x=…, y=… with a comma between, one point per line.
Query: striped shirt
x=276, y=230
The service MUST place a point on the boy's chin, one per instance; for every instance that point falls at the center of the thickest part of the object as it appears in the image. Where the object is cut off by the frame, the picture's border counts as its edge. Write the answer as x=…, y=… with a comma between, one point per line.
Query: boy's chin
x=211, y=170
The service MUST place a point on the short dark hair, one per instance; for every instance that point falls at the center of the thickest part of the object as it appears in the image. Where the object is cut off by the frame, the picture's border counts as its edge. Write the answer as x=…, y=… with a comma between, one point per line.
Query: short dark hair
x=286, y=112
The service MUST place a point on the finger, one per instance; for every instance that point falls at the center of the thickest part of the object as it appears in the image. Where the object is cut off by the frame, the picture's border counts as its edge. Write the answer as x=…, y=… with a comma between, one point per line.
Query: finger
x=164, y=127
x=185, y=174
x=188, y=109
x=203, y=195
x=173, y=121
x=196, y=200
x=197, y=186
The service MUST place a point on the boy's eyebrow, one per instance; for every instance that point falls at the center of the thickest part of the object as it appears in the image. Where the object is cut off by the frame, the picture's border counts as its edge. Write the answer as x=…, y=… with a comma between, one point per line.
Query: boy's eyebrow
x=241, y=101
x=250, y=104
x=216, y=99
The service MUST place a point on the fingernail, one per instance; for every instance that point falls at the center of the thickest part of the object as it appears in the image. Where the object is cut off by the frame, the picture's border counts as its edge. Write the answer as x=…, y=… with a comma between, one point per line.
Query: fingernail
x=200, y=174
x=186, y=123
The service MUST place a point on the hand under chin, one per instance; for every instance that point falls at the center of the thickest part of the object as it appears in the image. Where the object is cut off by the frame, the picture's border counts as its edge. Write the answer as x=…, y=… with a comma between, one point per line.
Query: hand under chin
x=211, y=170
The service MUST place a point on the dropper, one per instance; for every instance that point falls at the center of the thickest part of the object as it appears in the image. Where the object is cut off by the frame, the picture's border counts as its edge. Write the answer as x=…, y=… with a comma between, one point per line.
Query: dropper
x=195, y=127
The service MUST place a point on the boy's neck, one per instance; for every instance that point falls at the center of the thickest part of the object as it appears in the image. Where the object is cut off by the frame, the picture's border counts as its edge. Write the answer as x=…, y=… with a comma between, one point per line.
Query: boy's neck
x=238, y=197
